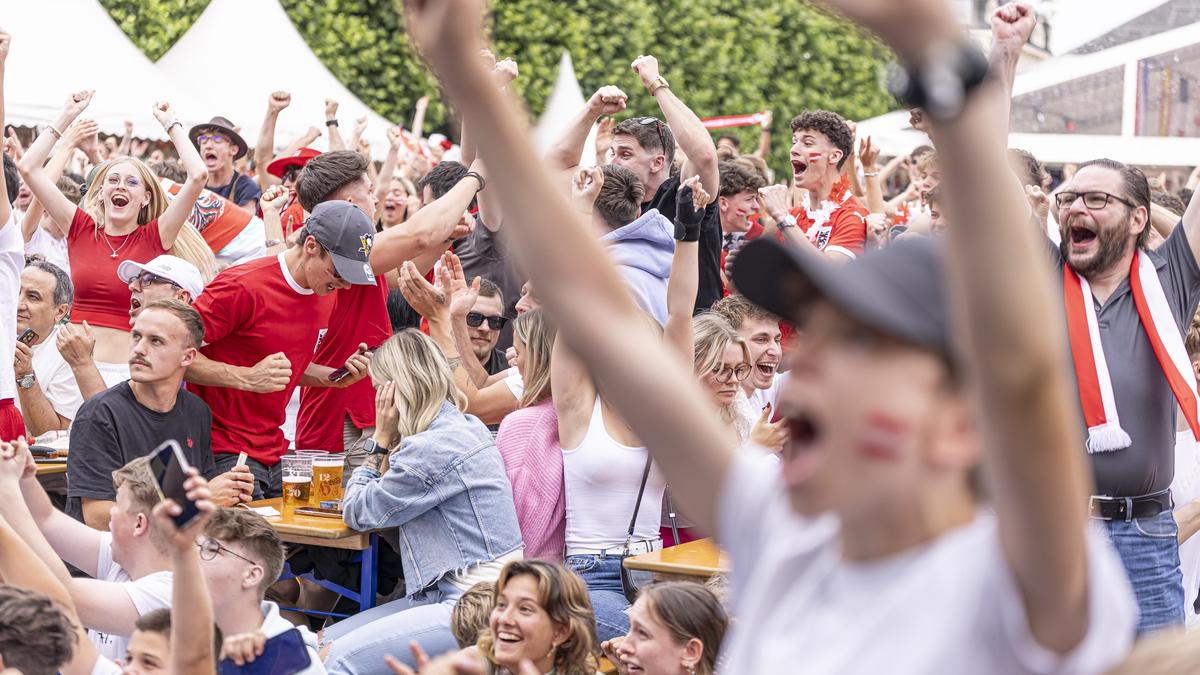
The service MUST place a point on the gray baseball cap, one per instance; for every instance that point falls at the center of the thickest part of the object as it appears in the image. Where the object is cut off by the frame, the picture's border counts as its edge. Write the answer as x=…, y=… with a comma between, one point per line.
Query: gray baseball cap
x=899, y=291
x=347, y=233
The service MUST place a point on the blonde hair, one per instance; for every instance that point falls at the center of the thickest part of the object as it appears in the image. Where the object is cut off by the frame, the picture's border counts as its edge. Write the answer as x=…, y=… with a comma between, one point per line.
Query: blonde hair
x=189, y=244
x=536, y=332
x=469, y=618
x=413, y=362
x=711, y=334
x=564, y=597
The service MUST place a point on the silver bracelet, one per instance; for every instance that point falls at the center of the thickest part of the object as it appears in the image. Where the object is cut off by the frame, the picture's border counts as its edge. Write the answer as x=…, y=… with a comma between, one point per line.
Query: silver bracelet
x=56, y=132
x=169, y=125
x=873, y=174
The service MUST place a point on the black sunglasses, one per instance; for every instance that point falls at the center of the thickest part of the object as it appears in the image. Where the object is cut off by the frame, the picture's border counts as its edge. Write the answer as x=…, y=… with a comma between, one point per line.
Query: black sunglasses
x=658, y=127
x=475, y=320
x=149, y=279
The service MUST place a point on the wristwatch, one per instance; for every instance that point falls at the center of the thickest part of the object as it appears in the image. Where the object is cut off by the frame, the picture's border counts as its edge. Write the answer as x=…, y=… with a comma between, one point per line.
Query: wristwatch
x=374, y=448
x=659, y=82
x=27, y=381
x=788, y=221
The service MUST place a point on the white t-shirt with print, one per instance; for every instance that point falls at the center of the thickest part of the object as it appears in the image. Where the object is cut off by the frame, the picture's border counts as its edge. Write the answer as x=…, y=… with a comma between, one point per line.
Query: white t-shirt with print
x=148, y=593
x=12, y=262
x=951, y=606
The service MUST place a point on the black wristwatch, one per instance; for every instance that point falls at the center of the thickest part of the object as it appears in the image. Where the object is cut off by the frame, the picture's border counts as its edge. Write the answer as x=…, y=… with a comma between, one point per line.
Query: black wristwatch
x=374, y=448
x=940, y=87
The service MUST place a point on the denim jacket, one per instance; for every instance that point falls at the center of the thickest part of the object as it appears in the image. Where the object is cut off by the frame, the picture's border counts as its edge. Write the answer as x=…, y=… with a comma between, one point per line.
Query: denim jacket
x=448, y=495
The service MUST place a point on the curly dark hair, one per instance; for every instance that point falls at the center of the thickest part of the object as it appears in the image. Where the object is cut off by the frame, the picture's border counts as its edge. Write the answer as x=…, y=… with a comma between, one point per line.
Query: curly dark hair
x=738, y=177
x=36, y=636
x=831, y=125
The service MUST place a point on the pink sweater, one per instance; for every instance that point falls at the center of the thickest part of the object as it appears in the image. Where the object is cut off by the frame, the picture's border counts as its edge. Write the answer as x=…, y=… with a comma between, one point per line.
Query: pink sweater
x=528, y=442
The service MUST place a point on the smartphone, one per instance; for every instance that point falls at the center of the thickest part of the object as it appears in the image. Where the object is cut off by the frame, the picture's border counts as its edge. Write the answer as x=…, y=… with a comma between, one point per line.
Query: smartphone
x=28, y=336
x=283, y=654
x=318, y=512
x=341, y=373
x=169, y=467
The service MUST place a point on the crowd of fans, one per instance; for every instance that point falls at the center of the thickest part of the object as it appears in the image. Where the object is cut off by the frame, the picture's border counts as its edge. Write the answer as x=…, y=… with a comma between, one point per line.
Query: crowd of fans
x=919, y=451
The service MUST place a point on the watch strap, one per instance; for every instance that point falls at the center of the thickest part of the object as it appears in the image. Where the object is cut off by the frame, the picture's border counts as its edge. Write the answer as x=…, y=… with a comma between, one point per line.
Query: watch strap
x=659, y=82
x=374, y=448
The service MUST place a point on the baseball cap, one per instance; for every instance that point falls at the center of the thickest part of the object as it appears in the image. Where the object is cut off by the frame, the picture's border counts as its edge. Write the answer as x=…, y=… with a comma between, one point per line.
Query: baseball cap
x=346, y=232
x=183, y=273
x=899, y=290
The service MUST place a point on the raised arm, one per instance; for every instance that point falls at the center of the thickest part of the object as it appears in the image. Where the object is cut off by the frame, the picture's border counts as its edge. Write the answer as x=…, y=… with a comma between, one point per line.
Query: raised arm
x=80, y=131
x=685, y=269
x=598, y=319
x=61, y=209
x=5, y=205
x=1000, y=299
x=264, y=149
x=192, y=627
x=175, y=217
x=1012, y=24
x=389, y=163
x=336, y=142
x=566, y=152
x=868, y=154
x=429, y=227
x=693, y=139
x=764, y=136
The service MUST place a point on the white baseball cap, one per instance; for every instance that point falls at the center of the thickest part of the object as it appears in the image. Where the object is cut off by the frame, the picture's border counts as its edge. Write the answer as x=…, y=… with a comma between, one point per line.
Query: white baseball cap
x=181, y=272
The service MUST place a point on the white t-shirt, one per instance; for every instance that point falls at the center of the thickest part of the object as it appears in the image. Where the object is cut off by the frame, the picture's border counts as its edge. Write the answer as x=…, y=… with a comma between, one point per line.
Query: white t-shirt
x=55, y=377
x=105, y=666
x=951, y=606
x=759, y=398
x=52, y=248
x=12, y=262
x=1184, y=488
x=515, y=383
x=273, y=625
x=148, y=593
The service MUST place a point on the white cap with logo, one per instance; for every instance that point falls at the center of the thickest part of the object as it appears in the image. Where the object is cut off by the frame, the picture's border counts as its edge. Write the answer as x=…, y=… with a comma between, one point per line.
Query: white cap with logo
x=176, y=270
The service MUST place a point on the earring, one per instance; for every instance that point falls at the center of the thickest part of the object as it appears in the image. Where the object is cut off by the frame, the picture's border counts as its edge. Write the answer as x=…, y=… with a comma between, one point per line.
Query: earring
x=690, y=667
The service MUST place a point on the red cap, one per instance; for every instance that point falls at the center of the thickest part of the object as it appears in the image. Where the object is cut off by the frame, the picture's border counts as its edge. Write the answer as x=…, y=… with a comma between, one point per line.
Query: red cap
x=299, y=159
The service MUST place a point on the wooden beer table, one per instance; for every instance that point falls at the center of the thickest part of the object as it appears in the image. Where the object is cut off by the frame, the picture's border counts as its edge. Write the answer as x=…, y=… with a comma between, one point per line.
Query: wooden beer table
x=697, y=560
x=331, y=533
x=51, y=468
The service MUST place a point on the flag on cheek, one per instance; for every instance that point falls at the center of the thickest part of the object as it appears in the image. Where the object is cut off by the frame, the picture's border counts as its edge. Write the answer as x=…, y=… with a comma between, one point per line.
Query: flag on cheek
x=884, y=437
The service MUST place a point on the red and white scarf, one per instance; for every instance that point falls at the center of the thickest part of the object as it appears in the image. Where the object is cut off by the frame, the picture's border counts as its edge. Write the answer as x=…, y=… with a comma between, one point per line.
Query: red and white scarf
x=1095, y=386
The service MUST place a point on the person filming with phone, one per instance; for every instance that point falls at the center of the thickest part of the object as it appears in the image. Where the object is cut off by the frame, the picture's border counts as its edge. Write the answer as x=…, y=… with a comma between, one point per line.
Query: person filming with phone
x=47, y=394
x=133, y=417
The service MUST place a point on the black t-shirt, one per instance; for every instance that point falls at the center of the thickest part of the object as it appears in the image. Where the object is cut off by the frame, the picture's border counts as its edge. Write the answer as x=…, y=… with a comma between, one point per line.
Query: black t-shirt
x=497, y=363
x=711, y=288
x=242, y=188
x=113, y=428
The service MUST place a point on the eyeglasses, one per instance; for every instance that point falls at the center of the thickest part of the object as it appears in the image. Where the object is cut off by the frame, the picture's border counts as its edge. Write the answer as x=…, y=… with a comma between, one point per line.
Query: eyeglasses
x=214, y=138
x=475, y=320
x=658, y=126
x=1092, y=200
x=149, y=279
x=725, y=374
x=209, y=548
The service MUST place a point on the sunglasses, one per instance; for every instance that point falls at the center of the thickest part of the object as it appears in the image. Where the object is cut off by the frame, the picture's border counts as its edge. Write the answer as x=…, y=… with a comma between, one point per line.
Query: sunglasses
x=658, y=127
x=475, y=320
x=1094, y=201
x=215, y=138
x=149, y=279
x=290, y=173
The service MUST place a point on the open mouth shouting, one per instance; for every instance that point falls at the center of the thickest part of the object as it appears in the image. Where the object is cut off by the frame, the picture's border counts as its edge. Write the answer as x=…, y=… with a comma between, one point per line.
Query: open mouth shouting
x=119, y=200
x=1082, y=237
x=801, y=454
x=799, y=166
x=210, y=158
x=765, y=369
x=135, y=305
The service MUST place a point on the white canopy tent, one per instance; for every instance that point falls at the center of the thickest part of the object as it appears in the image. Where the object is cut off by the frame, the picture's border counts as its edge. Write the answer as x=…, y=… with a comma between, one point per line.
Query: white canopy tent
x=62, y=46
x=237, y=81
x=564, y=103
x=1138, y=103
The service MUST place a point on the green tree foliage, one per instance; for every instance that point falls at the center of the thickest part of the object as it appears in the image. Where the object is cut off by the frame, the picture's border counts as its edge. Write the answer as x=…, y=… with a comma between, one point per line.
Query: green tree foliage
x=721, y=56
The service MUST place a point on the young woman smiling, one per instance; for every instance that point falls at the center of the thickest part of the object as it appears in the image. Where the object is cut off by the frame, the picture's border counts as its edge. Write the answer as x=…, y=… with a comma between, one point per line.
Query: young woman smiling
x=125, y=216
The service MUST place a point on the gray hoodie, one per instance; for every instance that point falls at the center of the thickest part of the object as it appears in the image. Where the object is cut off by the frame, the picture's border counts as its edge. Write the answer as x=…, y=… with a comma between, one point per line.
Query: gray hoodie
x=642, y=252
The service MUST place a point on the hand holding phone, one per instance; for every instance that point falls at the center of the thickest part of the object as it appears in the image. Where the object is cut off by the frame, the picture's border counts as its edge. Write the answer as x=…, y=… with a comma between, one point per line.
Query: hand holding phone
x=28, y=337
x=171, y=473
x=344, y=372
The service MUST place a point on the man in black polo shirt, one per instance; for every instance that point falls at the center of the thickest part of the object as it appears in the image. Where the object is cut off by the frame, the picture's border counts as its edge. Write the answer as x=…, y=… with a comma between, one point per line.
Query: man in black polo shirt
x=646, y=146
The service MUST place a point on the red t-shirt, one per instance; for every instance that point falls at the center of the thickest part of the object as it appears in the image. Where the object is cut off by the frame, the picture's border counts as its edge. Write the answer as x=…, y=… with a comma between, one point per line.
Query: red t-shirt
x=251, y=311
x=359, y=315
x=101, y=298
x=839, y=224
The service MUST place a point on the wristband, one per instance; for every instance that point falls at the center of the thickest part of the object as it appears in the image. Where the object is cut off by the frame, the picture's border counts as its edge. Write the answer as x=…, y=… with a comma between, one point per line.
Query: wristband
x=171, y=125
x=871, y=174
x=272, y=242
x=659, y=82
x=331, y=123
x=476, y=176
x=56, y=132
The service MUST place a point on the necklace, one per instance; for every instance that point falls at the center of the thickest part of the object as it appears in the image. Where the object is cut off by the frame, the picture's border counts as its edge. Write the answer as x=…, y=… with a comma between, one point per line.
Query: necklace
x=110, y=246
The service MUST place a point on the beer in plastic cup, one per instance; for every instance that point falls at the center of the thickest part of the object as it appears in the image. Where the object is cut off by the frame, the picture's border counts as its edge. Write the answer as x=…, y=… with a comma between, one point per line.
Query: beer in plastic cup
x=327, y=477
x=297, y=483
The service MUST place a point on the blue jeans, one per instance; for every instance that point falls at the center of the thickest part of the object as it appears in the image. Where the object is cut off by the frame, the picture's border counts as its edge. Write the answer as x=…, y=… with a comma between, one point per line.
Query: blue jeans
x=1149, y=551
x=360, y=642
x=602, y=574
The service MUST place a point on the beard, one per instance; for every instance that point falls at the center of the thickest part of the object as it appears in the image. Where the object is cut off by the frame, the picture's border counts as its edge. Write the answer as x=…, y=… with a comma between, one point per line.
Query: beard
x=1110, y=247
